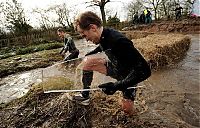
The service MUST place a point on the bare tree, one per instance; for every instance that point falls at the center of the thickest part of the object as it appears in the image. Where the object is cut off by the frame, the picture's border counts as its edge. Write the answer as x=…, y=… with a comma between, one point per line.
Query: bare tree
x=161, y=8
x=62, y=11
x=154, y=4
x=1, y=21
x=151, y=4
x=187, y=6
x=14, y=16
x=44, y=18
x=133, y=7
x=101, y=4
x=164, y=5
x=1, y=13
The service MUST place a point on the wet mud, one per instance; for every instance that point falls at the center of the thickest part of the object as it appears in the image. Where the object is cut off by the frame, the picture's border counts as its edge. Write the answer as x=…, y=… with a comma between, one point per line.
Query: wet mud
x=174, y=95
x=171, y=97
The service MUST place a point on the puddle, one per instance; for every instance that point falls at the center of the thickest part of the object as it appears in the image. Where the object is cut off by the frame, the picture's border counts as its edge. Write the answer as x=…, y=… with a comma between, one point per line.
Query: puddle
x=16, y=85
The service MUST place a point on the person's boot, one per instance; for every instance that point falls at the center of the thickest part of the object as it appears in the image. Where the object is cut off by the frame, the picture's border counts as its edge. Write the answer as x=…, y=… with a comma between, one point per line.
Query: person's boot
x=80, y=99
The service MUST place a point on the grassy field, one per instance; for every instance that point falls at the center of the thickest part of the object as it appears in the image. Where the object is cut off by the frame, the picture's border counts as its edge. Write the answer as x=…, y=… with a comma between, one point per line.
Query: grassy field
x=32, y=57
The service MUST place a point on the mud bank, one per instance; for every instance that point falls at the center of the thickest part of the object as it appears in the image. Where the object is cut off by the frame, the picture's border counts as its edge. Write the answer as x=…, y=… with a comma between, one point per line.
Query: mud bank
x=190, y=25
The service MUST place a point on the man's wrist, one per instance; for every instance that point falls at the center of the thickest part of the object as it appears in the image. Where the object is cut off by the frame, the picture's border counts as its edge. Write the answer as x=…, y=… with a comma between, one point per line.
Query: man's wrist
x=119, y=86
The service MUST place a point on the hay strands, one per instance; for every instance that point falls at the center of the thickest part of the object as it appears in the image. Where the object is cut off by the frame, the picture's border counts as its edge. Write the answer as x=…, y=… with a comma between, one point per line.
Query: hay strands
x=80, y=90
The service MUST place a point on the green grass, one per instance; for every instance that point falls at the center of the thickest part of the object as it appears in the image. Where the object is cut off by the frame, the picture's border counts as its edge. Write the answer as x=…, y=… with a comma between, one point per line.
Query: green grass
x=5, y=53
x=39, y=47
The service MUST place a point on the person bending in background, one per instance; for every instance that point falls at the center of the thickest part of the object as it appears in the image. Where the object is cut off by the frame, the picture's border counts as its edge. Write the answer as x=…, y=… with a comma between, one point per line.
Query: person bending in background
x=68, y=45
x=124, y=62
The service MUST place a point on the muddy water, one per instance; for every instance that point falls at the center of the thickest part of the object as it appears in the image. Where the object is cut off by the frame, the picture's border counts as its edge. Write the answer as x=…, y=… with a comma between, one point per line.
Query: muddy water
x=172, y=95
x=17, y=85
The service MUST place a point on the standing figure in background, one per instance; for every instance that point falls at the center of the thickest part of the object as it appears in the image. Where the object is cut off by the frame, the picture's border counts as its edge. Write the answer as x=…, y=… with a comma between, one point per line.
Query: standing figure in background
x=148, y=17
x=136, y=18
x=178, y=11
x=68, y=45
x=142, y=18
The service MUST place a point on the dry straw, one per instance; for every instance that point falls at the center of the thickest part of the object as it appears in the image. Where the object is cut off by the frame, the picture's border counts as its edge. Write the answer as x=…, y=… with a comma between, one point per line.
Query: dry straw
x=162, y=49
x=136, y=34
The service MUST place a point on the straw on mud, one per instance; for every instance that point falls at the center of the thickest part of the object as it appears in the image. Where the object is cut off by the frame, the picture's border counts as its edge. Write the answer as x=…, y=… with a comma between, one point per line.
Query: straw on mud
x=160, y=49
x=136, y=34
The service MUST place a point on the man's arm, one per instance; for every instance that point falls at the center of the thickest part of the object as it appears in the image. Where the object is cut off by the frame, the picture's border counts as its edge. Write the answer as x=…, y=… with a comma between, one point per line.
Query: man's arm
x=62, y=50
x=66, y=43
x=135, y=76
x=96, y=50
x=130, y=58
x=140, y=73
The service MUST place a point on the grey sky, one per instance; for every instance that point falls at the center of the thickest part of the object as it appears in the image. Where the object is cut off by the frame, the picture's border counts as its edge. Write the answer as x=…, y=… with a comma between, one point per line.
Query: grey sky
x=76, y=5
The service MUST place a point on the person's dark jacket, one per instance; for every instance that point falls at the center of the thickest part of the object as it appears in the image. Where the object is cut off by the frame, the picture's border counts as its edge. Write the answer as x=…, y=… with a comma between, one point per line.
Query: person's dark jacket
x=130, y=63
x=69, y=46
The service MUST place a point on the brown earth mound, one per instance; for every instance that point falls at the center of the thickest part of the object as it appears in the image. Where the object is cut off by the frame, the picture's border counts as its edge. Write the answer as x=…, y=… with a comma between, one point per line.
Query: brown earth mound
x=190, y=25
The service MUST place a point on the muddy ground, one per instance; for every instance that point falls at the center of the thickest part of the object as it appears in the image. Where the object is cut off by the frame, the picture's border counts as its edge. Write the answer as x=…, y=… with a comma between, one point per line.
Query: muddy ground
x=170, y=98
x=190, y=25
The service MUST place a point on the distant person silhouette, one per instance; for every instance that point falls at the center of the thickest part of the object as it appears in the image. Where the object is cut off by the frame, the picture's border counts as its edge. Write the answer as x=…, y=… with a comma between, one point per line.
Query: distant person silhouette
x=178, y=12
x=142, y=18
x=136, y=18
x=148, y=17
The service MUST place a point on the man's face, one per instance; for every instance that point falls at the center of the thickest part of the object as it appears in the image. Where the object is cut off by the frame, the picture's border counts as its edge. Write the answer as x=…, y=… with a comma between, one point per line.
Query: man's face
x=91, y=34
x=61, y=34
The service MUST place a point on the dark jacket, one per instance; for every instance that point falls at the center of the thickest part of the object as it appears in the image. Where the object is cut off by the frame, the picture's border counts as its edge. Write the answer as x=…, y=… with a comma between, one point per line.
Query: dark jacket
x=130, y=63
x=69, y=45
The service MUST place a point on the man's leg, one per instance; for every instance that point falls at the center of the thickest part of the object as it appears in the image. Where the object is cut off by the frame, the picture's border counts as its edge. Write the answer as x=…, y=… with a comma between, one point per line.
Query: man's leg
x=128, y=101
x=86, y=80
x=90, y=63
x=129, y=94
x=73, y=55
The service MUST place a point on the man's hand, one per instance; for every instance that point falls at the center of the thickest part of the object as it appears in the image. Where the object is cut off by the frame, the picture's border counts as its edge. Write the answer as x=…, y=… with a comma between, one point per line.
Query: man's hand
x=63, y=55
x=108, y=88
